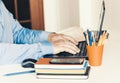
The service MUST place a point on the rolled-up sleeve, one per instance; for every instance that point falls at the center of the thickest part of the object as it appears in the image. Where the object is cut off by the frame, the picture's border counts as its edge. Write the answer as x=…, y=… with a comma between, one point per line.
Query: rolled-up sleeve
x=18, y=43
x=16, y=53
x=24, y=35
x=21, y=34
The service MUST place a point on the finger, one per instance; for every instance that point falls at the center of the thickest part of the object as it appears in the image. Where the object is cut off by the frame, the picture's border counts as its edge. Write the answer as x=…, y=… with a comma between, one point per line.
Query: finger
x=62, y=48
x=69, y=50
x=71, y=39
x=71, y=46
x=61, y=45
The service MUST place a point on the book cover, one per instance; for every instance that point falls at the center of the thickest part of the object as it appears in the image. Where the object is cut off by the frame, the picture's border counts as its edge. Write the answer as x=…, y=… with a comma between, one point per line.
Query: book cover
x=44, y=63
x=64, y=76
x=61, y=71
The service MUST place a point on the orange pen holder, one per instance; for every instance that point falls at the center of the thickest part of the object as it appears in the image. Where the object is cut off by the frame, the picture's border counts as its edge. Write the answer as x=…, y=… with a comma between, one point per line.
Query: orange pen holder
x=95, y=54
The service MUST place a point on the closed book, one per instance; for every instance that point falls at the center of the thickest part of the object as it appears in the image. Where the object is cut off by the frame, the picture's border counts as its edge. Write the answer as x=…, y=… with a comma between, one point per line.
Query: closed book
x=44, y=63
x=64, y=76
x=61, y=71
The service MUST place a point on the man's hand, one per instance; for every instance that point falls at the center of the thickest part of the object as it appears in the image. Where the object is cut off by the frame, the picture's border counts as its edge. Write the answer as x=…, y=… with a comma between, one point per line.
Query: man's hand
x=63, y=42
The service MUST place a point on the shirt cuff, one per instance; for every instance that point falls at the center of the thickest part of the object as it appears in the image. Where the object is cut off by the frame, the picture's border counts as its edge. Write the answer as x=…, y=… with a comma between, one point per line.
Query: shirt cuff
x=46, y=47
x=44, y=35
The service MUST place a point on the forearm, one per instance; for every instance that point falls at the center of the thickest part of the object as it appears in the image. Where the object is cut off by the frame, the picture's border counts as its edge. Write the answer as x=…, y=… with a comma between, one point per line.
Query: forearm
x=25, y=35
x=21, y=35
x=16, y=53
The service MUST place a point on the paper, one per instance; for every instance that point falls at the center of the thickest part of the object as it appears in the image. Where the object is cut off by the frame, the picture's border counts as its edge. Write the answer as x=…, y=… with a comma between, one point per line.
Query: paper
x=75, y=32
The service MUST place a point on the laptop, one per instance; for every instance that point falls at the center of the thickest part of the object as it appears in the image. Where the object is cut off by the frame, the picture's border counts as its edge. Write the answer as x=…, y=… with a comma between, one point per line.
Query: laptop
x=82, y=44
x=102, y=14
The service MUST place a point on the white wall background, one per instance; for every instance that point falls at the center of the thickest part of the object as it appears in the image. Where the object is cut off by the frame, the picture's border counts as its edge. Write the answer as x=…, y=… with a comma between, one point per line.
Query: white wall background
x=89, y=13
x=60, y=14
x=112, y=20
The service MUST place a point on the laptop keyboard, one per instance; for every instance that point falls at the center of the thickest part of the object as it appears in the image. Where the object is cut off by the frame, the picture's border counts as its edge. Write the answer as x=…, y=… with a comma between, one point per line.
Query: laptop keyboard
x=81, y=54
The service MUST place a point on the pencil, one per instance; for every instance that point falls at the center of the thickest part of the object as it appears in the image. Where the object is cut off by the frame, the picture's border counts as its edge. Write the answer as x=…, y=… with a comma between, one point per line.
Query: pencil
x=87, y=39
x=19, y=73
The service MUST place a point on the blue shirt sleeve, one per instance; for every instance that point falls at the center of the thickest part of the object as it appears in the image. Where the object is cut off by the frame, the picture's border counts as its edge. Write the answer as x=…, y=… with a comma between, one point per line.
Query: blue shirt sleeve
x=23, y=35
x=30, y=36
x=16, y=53
x=27, y=43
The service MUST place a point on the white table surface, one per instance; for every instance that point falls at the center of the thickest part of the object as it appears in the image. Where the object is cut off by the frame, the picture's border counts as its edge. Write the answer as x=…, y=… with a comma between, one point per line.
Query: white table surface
x=108, y=72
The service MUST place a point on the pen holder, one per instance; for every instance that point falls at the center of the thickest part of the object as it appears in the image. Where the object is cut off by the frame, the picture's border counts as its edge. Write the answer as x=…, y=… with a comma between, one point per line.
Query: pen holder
x=95, y=55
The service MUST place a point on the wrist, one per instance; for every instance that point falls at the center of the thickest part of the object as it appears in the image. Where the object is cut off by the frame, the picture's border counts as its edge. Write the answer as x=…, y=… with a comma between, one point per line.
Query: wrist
x=51, y=35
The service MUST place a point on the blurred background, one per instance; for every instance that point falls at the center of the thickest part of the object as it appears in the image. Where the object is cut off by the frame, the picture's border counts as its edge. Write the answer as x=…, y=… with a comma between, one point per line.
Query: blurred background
x=55, y=15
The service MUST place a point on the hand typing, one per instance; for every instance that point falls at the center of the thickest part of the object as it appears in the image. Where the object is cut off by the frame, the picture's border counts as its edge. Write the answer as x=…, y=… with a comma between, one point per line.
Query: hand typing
x=63, y=42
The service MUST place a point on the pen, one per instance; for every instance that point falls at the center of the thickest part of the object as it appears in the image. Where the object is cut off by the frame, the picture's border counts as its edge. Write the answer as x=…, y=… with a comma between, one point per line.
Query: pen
x=93, y=37
x=87, y=40
x=90, y=37
x=19, y=73
x=100, y=40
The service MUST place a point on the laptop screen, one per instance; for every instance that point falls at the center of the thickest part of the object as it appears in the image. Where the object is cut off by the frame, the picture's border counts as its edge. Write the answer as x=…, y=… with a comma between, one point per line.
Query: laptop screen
x=102, y=14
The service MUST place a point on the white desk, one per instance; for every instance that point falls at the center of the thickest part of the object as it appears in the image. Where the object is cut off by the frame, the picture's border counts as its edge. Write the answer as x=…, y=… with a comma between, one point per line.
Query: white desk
x=107, y=73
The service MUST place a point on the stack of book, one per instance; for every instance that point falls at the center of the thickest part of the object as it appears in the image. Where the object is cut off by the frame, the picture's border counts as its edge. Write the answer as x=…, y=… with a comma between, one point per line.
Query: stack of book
x=44, y=68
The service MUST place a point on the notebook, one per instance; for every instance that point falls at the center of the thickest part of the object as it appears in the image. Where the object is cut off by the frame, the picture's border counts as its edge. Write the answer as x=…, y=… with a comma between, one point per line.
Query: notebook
x=65, y=76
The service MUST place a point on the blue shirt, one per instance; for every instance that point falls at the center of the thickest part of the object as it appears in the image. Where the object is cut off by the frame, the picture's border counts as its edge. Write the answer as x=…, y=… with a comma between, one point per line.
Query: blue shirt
x=18, y=43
